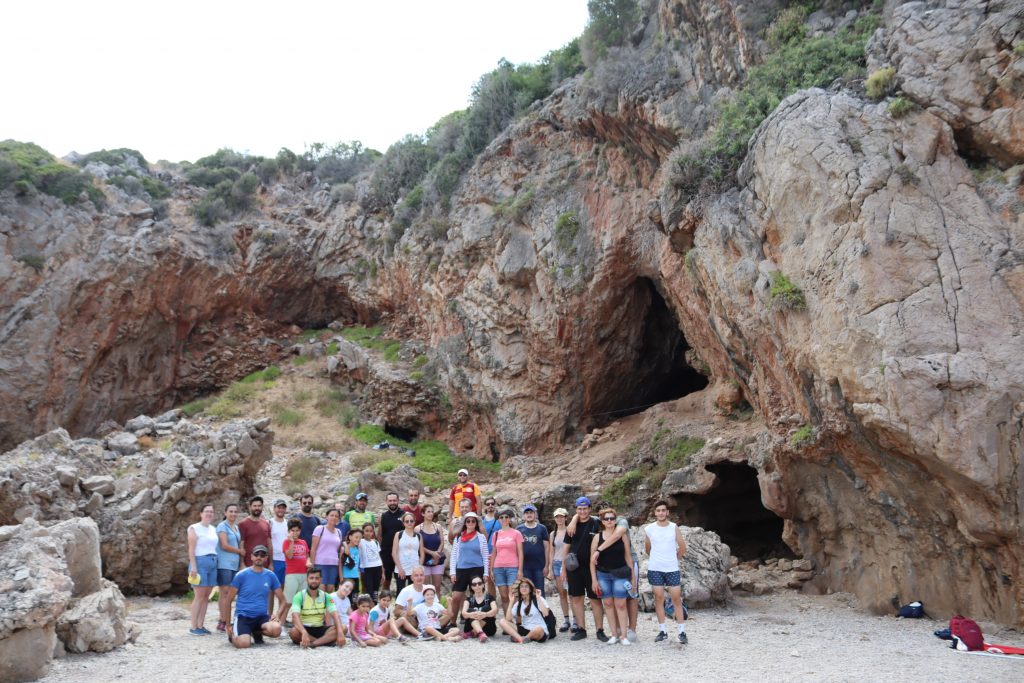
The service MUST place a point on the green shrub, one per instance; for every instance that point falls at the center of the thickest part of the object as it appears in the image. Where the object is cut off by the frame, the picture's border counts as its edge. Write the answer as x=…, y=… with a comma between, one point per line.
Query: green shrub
x=420, y=360
x=784, y=294
x=332, y=348
x=515, y=206
x=338, y=163
x=299, y=473
x=193, y=408
x=900, y=107
x=677, y=456
x=431, y=456
x=299, y=361
x=787, y=26
x=567, y=226
x=621, y=492
x=267, y=171
x=33, y=261
x=288, y=417
x=391, y=351
x=267, y=374
x=349, y=416
x=801, y=436
x=226, y=199
x=343, y=192
x=610, y=24
x=113, y=157
x=879, y=82
x=416, y=375
x=211, y=177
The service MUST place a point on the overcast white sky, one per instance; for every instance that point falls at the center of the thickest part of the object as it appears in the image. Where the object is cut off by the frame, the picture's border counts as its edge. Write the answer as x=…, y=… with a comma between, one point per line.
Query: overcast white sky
x=178, y=80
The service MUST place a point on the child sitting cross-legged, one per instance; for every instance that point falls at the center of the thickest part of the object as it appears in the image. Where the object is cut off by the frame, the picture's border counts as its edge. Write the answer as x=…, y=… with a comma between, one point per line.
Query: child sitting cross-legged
x=359, y=624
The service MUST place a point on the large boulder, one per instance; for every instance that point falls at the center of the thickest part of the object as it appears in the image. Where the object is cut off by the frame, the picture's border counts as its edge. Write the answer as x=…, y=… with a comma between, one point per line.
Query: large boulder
x=97, y=622
x=81, y=540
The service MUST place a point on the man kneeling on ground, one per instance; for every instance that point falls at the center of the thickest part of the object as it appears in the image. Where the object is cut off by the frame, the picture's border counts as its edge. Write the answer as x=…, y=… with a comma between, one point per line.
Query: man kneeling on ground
x=253, y=587
x=315, y=616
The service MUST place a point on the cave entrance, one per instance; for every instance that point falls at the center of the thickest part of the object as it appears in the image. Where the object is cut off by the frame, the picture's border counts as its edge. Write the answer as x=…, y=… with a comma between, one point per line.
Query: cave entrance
x=733, y=510
x=656, y=371
x=401, y=433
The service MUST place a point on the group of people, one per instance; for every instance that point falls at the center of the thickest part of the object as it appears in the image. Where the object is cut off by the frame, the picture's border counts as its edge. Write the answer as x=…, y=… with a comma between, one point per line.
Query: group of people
x=329, y=580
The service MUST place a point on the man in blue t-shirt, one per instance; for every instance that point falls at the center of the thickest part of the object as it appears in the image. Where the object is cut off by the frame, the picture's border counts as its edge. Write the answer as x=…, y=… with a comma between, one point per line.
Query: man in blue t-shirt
x=536, y=548
x=253, y=586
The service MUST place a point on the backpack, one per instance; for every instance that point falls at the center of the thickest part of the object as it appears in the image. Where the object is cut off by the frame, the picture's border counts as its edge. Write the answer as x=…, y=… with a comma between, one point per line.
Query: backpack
x=549, y=620
x=966, y=633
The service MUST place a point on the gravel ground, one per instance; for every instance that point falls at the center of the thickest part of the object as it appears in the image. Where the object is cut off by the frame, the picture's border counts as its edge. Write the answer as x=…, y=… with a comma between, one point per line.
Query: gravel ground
x=781, y=637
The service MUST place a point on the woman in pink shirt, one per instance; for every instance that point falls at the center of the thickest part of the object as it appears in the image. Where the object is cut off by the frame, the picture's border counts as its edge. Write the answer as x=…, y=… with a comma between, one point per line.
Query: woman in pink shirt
x=507, y=567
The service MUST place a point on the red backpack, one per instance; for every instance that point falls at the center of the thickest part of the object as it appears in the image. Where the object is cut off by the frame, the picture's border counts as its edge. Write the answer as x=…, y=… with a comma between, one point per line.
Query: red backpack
x=968, y=631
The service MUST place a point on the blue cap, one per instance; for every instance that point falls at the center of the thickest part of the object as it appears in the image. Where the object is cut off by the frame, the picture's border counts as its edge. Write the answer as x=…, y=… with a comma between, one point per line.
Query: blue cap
x=529, y=508
x=582, y=500
x=361, y=496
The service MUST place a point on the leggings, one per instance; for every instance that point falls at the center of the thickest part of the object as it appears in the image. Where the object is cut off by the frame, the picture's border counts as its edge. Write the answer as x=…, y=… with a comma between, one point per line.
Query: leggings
x=371, y=580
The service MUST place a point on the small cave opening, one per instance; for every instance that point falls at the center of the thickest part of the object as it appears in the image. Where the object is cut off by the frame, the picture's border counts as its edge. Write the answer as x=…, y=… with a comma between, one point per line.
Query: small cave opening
x=656, y=371
x=734, y=511
x=401, y=433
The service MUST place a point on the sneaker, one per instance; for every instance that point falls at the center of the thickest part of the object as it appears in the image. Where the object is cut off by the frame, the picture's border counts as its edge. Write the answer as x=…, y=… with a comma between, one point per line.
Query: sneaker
x=196, y=631
x=425, y=636
x=564, y=627
x=683, y=640
x=625, y=641
x=466, y=635
x=612, y=640
x=222, y=626
x=579, y=635
x=575, y=627
x=204, y=631
x=662, y=637
x=631, y=635
x=403, y=639
x=483, y=637
x=601, y=635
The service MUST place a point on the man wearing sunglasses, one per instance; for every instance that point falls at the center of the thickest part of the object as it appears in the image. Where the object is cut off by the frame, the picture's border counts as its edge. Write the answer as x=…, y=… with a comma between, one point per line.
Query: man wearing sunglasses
x=253, y=587
x=578, y=537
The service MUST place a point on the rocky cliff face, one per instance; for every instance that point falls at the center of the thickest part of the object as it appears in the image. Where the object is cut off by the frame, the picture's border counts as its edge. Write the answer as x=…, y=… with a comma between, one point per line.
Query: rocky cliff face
x=860, y=287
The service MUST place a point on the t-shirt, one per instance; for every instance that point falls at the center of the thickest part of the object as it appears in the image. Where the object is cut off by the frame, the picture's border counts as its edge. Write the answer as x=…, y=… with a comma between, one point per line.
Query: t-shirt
x=311, y=610
x=225, y=559
x=296, y=565
x=379, y=614
x=278, y=534
x=489, y=526
x=254, y=532
x=207, y=539
x=663, y=547
x=579, y=542
x=343, y=607
x=309, y=523
x=429, y=615
x=356, y=519
x=390, y=524
x=369, y=554
x=253, y=590
x=534, y=554
x=353, y=571
x=417, y=512
x=506, y=547
x=468, y=490
x=409, y=592
x=483, y=605
x=328, y=547
x=534, y=618
x=359, y=623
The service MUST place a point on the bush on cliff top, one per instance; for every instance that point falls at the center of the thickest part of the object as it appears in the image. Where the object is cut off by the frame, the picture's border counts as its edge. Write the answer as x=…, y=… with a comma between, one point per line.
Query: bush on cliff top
x=28, y=164
x=437, y=464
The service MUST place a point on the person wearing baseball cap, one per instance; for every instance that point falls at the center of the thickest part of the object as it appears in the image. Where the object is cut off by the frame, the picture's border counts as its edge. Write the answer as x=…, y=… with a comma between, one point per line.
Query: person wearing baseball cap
x=536, y=548
x=358, y=517
x=253, y=586
x=558, y=551
x=578, y=537
x=463, y=489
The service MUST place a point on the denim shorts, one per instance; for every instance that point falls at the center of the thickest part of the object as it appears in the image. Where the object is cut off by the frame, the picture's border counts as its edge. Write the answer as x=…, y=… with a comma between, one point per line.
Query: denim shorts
x=556, y=567
x=225, y=576
x=505, y=576
x=612, y=587
x=656, y=578
x=328, y=574
x=206, y=567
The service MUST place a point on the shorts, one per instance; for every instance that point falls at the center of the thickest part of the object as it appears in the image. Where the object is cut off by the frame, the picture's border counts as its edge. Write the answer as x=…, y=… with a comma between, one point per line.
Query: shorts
x=613, y=587
x=328, y=574
x=580, y=583
x=279, y=567
x=464, y=576
x=556, y=567
x=505, y=576
x=490, y=626
x=434, y=570
x=536, y=577
x=669, y=579
x=206, y=567
x=293, y=583
x=383, y=628
x=225, y=576
x=316, y=631
x=250, y=626
x=525, y=632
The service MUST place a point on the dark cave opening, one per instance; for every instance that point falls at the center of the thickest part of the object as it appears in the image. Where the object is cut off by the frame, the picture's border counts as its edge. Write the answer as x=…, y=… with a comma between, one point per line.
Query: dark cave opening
x=659, y=369
x=402, y=433
x=733, y=510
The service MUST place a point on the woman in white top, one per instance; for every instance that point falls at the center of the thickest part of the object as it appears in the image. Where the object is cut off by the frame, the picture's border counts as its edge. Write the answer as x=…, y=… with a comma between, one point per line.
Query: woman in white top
x=407, y=550
x=202, y=567
x=557, y=565
x=524, y=619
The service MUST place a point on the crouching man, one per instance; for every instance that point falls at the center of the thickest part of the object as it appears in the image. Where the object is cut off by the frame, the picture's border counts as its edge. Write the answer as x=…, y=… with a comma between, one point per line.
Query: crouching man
x=253, y=587
x=315, y=616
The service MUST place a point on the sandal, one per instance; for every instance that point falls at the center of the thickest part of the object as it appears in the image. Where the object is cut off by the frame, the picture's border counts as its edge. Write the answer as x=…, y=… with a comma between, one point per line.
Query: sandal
x=483, y=637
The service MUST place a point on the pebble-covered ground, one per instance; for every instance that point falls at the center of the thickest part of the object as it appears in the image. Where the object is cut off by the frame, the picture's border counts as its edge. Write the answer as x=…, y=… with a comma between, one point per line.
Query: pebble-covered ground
x=781, y=637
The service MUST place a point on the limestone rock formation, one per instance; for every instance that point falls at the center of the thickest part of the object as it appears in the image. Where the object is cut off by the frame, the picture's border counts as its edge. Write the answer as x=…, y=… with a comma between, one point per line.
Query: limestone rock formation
x=704, y=569
x=142, y=508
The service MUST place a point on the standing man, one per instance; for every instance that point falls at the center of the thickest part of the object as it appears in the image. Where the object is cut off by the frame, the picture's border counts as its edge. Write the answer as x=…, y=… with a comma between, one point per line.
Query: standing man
x=308, y=519
x=578, y=537
x=315, y=616
x=665, y=546
x=390, y=524
x=536, y=548
x=278, y=535
x=254, y=586
x=463, y=489
x=488, y=525
x=358, y=517
x=414, y=506
x=254, y=529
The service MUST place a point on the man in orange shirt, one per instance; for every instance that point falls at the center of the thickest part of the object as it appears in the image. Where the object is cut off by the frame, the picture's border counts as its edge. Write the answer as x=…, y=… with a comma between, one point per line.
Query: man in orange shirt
x=464, y=489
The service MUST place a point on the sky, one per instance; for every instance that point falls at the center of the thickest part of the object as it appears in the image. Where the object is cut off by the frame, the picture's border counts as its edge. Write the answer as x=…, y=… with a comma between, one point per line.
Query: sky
x=179, y=80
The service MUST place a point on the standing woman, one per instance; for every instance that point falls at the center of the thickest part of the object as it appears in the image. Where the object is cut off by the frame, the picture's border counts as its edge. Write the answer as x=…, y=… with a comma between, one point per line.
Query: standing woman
x=230, y=552
x=558, y=552
x=470, y=558
x=407, y=550
x=508, y=556
x=326, y=550
x=433, y=547
x=202, y=567
x=614, y=576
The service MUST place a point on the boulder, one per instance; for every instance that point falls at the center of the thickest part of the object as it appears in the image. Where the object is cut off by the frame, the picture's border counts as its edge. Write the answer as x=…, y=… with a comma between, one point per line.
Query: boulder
x=97, y=622
x=25, y=655
x=81, y=541
x=123, y=443
x=101, y=484
x=142, y=423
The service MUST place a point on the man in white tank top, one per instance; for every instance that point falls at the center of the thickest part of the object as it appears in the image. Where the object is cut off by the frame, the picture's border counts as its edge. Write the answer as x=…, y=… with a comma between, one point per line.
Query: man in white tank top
x=665, y=546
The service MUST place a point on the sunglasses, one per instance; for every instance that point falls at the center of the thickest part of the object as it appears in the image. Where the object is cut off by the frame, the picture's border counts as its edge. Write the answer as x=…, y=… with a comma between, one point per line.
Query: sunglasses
x=476, y=583
x=608, y=519
x=470, y=520
x=260, y=554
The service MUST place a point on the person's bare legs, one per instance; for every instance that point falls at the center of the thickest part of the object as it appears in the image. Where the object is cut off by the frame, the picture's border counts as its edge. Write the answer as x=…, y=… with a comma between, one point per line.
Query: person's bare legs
x=199, y=605
x=510, y=629
x=578, y=612
x=621, y=614
x=613, y=622
x=597, y=607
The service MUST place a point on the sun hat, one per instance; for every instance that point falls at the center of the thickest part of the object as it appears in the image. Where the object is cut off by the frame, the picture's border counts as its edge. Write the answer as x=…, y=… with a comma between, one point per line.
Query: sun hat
x=561, y=511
